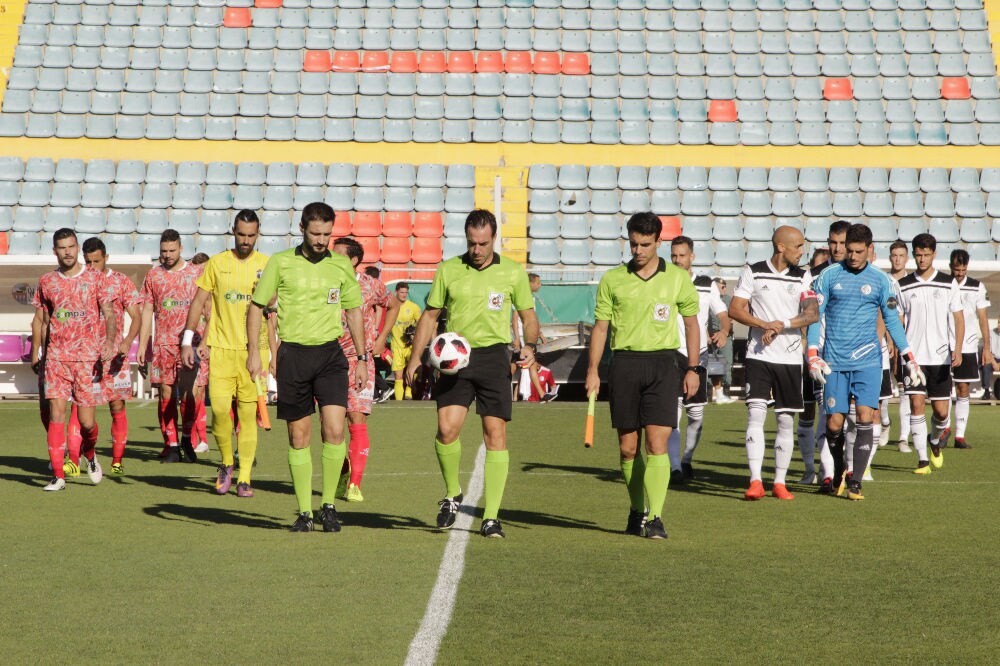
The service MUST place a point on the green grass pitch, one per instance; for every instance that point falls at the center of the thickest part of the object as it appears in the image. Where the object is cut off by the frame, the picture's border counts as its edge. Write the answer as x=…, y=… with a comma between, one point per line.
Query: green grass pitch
x=155, y=568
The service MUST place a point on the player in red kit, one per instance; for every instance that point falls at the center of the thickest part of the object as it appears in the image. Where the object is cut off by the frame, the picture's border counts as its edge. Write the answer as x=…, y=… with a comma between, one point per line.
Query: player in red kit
x=374, y=297
x=167, y=294
x=69, y=304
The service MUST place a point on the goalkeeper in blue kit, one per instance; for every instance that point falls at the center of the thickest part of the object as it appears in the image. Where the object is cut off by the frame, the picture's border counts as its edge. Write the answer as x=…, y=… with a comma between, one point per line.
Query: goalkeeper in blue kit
x=844, y=351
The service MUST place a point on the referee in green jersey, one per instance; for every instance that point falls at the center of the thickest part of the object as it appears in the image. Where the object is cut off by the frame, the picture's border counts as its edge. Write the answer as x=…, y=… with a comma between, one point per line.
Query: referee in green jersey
x=313, y=285
x=478, y=288
x=639, y=301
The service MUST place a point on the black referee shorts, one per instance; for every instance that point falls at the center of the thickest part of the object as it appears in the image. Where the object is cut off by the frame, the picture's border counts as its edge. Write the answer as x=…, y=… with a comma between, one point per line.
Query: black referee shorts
x=486, y=380
x=644, y=388
x=310, y=375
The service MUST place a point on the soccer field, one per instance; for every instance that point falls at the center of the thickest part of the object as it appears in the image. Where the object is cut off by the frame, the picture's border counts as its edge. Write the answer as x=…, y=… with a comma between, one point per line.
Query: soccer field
x=156, y=568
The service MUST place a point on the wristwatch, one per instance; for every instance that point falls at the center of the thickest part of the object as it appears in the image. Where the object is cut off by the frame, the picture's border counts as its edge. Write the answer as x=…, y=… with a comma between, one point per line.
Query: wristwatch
x=363, y=357
x=698, y=369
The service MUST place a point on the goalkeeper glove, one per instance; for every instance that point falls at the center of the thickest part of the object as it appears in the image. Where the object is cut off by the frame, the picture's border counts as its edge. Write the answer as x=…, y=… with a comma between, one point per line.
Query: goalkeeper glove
x=914, y=373
x=818, y=368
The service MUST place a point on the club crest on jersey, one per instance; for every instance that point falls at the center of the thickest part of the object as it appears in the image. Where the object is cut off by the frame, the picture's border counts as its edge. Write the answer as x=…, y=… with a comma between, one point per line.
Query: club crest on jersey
x=333, y=296
x=790, y=288
x=866, y=289
x=937, y=294
x=661, y=312
x=892, y=303
x=831, y=402
x=495, y=301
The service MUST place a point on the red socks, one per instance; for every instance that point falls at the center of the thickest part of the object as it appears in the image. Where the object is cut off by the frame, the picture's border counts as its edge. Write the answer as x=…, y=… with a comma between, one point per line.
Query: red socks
x=358, y=451
x=167, y=412
x=56, y=439
x=119, y=435
x=73, y=436
x=200, y=421
x=189, y=409
x=89, y=438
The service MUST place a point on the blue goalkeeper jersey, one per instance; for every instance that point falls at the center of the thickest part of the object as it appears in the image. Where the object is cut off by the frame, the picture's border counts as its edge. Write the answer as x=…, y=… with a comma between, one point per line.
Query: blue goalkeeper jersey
x=849, y=305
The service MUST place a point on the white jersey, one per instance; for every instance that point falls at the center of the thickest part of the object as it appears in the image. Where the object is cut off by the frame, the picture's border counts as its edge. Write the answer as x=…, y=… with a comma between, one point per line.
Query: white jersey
x=774, y=296
x=974, y=299
x=886, y=361
x=709, y=302
x=927, y=307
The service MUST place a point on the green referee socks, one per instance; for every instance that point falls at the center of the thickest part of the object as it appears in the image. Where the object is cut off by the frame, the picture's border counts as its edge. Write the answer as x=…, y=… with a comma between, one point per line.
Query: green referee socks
x=333, y=462
x=655, y=481
x=449, y=458
x=635, y=471
x=300, y=464
x=494, y=480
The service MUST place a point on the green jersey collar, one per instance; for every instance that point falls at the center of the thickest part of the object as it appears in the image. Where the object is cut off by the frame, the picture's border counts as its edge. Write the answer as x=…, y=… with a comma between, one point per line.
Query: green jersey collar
x=300, y=253
x=660, y=268
x=493, y=262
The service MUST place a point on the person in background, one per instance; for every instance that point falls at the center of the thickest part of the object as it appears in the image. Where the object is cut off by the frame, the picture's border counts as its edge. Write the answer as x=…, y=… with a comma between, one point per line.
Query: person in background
x=720, y=391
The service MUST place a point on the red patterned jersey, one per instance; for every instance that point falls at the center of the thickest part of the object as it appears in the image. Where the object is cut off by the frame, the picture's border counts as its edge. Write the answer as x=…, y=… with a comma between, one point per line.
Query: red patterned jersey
x=125, y=295
x=171, y=293
x=373, y=295
x=76, y=328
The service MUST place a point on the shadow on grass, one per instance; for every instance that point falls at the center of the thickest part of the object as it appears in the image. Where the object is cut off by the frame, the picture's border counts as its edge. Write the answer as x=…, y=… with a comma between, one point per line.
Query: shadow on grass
x=202, y=515
x=381, y=521
x=600, y=473
x=207, y=484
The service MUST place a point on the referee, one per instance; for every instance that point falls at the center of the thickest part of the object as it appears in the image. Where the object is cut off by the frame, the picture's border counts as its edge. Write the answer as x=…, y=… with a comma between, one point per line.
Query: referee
x=478, y=288
x=639, y=301
x=313, y=286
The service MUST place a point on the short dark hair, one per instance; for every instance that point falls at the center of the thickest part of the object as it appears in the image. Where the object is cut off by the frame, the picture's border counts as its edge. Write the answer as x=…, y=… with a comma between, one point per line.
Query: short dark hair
x=402, y=285
x=534, y=276
x=479, y=219
x=924, y=242
x=246, y=215
x=94, y=244
x=62, y=234
x=373, y=271
x=683, y=240
x=170, y=236
x=859, y=233
x=959, y=258
x=199, y=259
x=644, y=224
x=354, y=249
x=898, y=245
x=839, y=227
x=317, y=211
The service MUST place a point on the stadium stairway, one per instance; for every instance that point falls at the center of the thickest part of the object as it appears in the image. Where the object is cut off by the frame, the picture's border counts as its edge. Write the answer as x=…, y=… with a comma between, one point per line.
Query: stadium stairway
x=725, y=117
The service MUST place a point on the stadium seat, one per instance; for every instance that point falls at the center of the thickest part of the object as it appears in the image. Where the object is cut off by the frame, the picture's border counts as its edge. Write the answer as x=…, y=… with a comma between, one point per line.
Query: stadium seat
x=395, y=250
x=367, y=224
x=371, y=248
x=426, y=250
x=398, y=224
x=428, y=224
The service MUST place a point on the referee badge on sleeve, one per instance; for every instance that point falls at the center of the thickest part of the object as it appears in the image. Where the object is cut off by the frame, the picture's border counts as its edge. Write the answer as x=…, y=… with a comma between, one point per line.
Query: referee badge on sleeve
x=333, y=296
x=661, y=312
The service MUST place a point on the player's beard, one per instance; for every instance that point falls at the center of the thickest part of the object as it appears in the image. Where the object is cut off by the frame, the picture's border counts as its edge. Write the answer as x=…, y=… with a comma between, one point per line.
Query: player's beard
x=244, y=251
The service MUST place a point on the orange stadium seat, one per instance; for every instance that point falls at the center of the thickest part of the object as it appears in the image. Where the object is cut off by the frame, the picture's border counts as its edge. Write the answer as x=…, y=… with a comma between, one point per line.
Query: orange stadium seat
x=237, y=17
x=429, y=225
x=426, y=250
x=955, y=87
x=546, y=62
x=366, y=224
x=396, y=250
x=576, y=63
x=370, y=244
x=375, y=61
x=461, y=62
x=671, y=227
x=722, y=111
x=489, y=61
x=317, y=61
x=403, y=61
x=4, y=242
x=346, y=61
x=432, y=62
x=838, y=89
x=341, y=224
x=518, y=62
x=267, y=4
x=397, y=224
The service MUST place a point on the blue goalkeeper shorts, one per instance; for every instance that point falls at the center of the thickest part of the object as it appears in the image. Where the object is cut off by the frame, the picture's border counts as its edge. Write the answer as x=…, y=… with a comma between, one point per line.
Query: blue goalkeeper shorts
x=863, y=385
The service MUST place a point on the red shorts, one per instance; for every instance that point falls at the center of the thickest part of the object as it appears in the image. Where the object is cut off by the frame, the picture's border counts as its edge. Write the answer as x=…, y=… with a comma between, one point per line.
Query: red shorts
x=361, y=401
x=201, y=379
x=76, y=380
x=167, y=367
x=117, y=379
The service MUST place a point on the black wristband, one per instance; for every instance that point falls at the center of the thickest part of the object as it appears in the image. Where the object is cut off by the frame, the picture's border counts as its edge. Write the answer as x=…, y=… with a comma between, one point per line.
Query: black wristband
x=698, y=369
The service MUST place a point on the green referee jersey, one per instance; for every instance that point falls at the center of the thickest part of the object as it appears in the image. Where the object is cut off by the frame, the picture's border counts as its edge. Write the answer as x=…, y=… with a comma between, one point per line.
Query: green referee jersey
x=643, y=312
x=479, y=301
x=311, y=295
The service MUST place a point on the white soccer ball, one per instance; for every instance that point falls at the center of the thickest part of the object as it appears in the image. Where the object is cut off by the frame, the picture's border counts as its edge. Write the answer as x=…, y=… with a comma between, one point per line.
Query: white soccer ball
x=449, y=353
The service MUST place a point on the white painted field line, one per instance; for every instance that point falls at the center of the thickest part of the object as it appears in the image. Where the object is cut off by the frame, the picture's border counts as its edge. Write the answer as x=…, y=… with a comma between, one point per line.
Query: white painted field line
x=425, y=645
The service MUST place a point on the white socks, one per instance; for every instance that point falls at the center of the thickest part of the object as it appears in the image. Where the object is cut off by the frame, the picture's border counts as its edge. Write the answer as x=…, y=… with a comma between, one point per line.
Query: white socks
x=692, y=434
x=784, y=446
x=961, y=417
x=904, y=418
x=918, y=426
x=674, y=441
x=756, y=414
x=807, y=444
